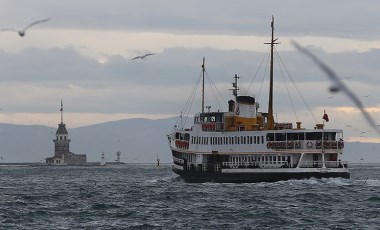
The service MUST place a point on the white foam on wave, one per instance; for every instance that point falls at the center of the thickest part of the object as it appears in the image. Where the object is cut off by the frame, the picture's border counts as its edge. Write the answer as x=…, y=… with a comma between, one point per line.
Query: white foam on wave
x=372, y=183
x=337, y=181
x=163, y=179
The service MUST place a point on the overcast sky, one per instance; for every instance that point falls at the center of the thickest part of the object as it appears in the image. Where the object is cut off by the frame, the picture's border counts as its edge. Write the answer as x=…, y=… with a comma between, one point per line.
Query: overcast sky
x=83, y=55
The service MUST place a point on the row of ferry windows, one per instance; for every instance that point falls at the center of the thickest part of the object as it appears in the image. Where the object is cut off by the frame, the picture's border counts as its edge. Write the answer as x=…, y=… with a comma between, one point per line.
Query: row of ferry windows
x=228, y=140
x=267, y=159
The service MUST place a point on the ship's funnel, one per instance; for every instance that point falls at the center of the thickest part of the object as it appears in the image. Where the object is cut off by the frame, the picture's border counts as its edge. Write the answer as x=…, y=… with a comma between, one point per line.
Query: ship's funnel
x=245, y=107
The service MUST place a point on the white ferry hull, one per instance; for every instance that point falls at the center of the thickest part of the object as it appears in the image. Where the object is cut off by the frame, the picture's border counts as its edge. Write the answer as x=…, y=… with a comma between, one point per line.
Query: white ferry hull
x=260, y=175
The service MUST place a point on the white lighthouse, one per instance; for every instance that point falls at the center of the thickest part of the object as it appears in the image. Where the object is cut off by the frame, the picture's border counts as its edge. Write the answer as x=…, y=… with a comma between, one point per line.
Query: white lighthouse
x=118, y=153
x=102, y=160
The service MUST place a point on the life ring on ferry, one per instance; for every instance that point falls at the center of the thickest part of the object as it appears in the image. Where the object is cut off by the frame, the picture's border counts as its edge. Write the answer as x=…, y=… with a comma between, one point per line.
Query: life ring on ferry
x=269, y=145
x=309, y=144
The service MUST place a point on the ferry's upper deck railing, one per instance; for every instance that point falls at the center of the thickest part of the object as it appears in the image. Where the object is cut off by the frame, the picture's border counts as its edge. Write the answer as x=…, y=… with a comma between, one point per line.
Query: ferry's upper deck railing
x=213, y=126
x=305, y=144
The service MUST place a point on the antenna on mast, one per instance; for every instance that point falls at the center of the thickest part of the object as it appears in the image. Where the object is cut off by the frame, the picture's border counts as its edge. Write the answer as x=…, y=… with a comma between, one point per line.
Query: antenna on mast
x=235, y=87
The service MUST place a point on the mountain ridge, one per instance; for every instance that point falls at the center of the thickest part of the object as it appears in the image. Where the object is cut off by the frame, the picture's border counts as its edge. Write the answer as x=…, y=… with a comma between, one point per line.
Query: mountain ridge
x=140, y=140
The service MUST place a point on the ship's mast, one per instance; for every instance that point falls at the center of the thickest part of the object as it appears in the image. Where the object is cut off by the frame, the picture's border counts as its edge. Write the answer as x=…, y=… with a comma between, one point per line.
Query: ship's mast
x=235, y=87
x=270, y=104
x=203, y=86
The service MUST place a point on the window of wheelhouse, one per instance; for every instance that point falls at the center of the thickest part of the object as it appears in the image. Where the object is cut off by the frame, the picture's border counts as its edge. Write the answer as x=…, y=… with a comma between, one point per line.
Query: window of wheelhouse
x=295, y=136
x=314, y=136
x=330, y=136
x=280, y=136
x=270, y=137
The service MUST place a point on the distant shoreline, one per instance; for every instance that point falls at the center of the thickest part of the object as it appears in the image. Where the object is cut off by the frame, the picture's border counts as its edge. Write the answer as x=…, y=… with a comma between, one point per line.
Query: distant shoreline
x=87, y=164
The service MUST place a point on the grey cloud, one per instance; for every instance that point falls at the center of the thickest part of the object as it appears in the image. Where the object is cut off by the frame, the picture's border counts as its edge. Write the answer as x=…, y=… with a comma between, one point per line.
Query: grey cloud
x=107, y=87
x=351, y=19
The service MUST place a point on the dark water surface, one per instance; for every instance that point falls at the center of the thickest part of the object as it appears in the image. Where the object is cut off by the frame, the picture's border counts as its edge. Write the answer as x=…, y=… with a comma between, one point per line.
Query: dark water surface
x=150, y=197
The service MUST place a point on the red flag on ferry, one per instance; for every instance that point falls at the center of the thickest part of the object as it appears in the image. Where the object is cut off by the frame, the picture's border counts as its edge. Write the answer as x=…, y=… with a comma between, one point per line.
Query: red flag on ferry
x=325, y=116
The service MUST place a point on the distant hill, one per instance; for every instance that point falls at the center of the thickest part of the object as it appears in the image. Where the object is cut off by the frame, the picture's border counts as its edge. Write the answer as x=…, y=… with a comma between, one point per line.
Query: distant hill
x=139, y=140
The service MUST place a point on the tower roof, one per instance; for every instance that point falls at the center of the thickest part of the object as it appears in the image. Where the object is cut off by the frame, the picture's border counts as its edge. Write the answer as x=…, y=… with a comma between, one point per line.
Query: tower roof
x=62, y=129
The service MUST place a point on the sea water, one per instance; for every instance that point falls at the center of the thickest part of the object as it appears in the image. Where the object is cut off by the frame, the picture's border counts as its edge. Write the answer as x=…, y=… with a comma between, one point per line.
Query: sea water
x=150, y=197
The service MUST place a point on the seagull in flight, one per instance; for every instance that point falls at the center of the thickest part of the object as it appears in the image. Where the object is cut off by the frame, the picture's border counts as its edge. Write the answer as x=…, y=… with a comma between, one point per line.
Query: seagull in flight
x=338, y=85
x=142, y=57
x=22, y=32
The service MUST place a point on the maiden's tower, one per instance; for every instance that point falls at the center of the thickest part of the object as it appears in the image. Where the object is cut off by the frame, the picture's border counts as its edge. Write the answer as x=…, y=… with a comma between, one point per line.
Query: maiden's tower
x=62, y=154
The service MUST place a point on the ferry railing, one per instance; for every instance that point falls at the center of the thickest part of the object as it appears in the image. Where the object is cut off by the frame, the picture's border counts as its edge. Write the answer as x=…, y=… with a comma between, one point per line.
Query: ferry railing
x=249, y=164
x=284, y=145
x=213, y=126
x=182, y=144
x=304, y=144
x=319, y=164
x=256, y=164
x=327, y=144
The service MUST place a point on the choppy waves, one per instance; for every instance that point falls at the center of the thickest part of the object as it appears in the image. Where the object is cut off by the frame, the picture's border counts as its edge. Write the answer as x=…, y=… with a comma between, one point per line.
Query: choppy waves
x=149, y=197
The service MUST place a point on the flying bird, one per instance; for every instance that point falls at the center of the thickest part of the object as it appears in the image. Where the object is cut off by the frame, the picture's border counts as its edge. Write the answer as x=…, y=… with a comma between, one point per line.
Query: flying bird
x=141, y=57
x=22, y=32
x=338, y=85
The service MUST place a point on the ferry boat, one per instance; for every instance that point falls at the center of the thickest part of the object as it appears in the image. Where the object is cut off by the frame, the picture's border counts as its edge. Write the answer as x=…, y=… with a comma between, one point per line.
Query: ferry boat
x=244, y=145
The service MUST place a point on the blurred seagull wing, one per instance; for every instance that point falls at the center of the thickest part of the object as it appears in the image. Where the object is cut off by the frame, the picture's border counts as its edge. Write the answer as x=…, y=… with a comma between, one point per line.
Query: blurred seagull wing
x=9, y=29
x=338, y=83
x=36, y=22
